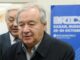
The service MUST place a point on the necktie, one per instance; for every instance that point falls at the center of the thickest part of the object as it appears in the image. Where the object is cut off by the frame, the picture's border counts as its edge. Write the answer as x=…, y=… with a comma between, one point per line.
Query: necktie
x=16, y=40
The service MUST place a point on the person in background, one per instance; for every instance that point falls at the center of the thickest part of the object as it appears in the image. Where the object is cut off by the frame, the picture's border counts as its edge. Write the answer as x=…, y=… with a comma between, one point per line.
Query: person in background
x=35, y=43
x=11, y=37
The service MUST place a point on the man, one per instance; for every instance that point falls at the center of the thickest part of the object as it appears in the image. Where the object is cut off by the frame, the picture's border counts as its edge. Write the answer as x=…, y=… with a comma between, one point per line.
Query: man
x=35, y=43
x=7, y=39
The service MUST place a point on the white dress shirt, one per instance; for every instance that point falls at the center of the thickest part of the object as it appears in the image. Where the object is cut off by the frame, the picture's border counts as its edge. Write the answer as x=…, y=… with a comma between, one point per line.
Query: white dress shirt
x=12, y=39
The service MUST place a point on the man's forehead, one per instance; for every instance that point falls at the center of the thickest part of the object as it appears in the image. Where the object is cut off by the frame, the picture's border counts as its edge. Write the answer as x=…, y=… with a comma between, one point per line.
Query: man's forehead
x=12, y=12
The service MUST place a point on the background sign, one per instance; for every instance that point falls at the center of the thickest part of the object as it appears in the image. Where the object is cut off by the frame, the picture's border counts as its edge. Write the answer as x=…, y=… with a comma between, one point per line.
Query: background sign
x=65, y=25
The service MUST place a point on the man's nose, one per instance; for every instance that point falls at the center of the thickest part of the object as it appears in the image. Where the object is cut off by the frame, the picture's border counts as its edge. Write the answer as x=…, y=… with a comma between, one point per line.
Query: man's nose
x=26, y=28
x=15, y=23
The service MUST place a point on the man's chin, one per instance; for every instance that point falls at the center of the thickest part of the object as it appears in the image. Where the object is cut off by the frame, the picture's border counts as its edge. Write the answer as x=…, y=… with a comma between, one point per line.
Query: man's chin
x=15, y=34
x=28, y=41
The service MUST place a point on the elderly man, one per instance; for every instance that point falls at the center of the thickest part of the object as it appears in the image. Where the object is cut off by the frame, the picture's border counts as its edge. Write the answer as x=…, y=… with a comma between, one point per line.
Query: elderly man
x=35, y=43
x=8, y=39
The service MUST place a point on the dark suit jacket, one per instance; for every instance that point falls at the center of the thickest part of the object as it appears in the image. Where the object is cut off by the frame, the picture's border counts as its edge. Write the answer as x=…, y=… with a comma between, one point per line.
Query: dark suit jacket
x=5, y=41
x=0, y=49
x=49, y=49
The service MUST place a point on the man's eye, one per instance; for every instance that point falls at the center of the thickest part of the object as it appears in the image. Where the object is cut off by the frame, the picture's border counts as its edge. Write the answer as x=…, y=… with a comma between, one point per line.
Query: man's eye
x=31, y=24
x=21, y=24
x=11, y=19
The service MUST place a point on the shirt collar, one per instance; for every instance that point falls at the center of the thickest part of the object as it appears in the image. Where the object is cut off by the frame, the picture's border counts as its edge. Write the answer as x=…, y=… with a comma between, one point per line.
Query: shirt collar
x=33, y=49
x=12, y=39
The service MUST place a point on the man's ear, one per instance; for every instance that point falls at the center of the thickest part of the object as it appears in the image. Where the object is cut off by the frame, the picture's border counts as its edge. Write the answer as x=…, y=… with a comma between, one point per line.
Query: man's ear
x=45, y=26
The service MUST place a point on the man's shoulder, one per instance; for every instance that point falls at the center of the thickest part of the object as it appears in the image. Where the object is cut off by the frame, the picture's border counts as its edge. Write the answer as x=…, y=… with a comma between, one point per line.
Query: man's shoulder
x=5, y=34
x=4, y=37
x=57, y=43
x=58, y=48
x=61, y=45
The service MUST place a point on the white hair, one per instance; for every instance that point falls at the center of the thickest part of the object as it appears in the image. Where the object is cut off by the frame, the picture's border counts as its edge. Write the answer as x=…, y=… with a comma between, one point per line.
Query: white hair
x=41, y=10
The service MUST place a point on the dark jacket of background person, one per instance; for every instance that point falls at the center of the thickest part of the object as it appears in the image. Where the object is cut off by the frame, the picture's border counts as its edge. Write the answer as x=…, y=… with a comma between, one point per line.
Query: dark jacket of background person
x=0, y=50
x=5, y=41
x=49, y=49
